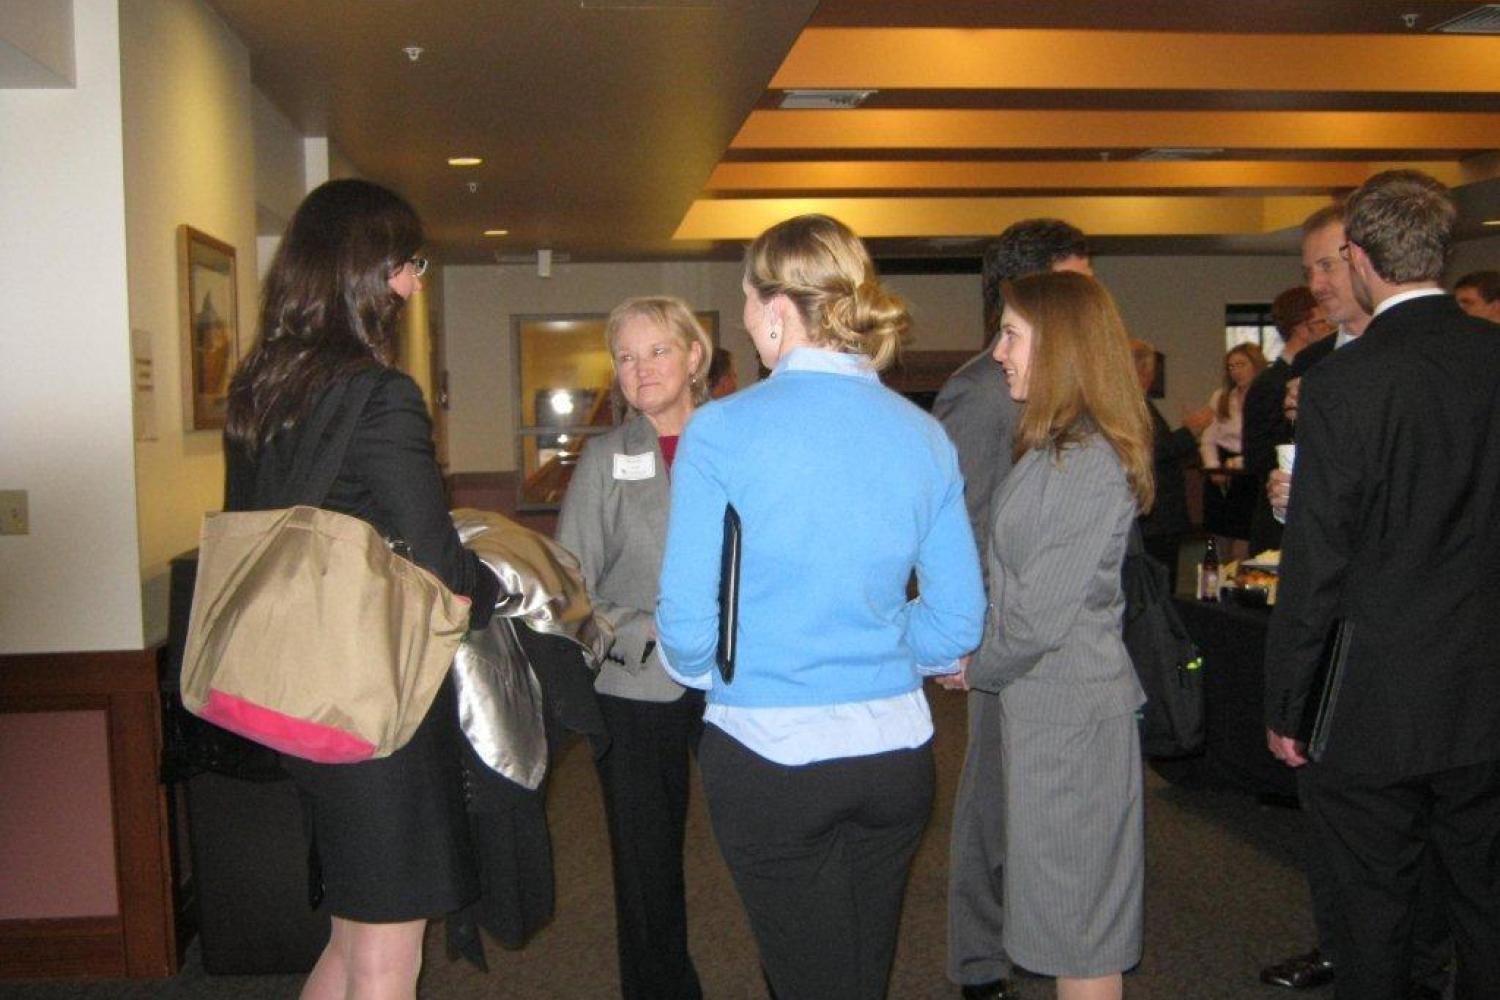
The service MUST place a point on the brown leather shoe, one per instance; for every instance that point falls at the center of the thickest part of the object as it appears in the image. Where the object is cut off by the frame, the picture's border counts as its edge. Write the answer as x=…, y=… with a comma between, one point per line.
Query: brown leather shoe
x=1300, y=972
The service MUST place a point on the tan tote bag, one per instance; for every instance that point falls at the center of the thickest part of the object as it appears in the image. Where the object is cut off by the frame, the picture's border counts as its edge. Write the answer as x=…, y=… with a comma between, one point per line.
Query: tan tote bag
x=309, y=635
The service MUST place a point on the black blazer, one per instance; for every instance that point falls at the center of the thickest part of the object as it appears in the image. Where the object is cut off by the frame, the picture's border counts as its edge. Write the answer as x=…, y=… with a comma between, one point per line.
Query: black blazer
x=1169, y=451
x=1394, y=526
x=389, y=477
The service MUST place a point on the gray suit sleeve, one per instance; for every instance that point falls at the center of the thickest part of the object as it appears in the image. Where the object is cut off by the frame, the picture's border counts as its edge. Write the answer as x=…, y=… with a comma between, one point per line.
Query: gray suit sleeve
x=1044, y=595
x=976, y=410
x=581, y=529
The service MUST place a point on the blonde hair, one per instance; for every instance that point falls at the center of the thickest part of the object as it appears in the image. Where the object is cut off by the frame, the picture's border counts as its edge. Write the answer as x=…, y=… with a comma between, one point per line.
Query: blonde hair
x=1082, y=376
x=826, y=273
x=1257, y=359
x=675, y=317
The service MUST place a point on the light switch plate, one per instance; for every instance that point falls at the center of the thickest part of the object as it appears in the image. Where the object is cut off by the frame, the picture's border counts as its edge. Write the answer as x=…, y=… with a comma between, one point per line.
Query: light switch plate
x=14, y=519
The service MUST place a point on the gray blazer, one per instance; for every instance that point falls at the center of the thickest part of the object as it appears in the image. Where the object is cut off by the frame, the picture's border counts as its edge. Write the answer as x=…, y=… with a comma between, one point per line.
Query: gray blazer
x=976, y=410
x=1052, y=644
x=617, y=527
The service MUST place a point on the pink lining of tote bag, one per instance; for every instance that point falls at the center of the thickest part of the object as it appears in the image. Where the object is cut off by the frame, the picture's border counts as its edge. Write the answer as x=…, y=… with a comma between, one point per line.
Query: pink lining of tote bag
x=298, y=737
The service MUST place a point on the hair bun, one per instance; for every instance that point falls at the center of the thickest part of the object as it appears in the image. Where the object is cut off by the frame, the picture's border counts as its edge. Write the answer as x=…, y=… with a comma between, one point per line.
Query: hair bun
x=868, y=319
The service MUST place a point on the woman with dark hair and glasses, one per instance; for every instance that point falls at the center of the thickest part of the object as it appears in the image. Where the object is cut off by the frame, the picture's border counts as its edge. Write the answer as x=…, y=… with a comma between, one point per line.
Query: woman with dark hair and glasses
x=389, y=836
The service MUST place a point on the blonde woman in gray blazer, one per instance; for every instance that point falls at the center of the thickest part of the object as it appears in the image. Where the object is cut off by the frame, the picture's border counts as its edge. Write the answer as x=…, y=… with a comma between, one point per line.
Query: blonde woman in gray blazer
x=1070, y=764
x=614, y=518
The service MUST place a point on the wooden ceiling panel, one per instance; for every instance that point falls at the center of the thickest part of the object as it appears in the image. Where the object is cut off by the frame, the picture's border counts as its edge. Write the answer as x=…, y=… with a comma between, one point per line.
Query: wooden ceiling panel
x=1000, y=59
x=602, y=123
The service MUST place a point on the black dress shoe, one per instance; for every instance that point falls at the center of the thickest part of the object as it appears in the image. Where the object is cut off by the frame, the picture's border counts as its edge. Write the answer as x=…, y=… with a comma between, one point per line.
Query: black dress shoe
x=996, y=989
x=1300, y=972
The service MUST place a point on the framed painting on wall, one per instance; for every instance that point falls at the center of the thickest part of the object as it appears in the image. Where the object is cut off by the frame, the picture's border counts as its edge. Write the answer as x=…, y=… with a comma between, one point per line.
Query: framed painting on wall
x=210, y=326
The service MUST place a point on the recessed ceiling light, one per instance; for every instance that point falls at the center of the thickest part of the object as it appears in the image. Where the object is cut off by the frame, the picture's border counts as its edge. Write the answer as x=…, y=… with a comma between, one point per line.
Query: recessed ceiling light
x=497, y=232
x=464, y=161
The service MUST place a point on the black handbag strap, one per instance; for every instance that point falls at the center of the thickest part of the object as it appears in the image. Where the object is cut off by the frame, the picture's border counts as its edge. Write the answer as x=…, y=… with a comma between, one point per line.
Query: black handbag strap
x=325, y=441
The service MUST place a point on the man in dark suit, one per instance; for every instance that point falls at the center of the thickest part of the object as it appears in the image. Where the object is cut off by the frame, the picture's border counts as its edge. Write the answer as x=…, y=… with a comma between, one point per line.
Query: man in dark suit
x=975, y=408
x=1329, y=278
x=1392, y=534
x=1167, y=522
x=1300, y=321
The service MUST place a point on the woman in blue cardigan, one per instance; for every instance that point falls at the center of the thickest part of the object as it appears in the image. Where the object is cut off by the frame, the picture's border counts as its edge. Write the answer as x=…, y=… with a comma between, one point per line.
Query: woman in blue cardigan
x=816, y=759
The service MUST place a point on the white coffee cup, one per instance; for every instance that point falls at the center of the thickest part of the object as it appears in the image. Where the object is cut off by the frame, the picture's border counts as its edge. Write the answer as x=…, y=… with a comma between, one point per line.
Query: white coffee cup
x=1286, y=454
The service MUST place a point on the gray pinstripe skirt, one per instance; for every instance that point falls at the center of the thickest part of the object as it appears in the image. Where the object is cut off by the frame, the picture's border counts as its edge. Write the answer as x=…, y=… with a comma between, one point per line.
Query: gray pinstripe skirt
x=1074, y=845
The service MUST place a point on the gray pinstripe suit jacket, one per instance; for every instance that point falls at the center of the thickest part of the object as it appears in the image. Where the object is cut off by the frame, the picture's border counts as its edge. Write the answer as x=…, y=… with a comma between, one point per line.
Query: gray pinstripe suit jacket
x=1052, y=644
x=618, y=530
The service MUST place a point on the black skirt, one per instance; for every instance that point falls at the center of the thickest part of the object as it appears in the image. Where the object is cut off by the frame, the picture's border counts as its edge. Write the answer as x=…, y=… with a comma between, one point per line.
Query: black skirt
x=390, y=837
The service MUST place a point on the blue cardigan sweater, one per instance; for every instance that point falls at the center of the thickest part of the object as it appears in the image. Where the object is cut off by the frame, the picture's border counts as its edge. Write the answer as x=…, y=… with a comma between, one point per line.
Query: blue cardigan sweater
x=843, y=489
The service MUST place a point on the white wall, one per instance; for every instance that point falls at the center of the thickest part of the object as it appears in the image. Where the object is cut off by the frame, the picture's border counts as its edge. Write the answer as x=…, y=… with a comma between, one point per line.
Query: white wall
x=479, y=303
x=73, y=583
x=190, y=156
x=280, y=171
x=1177, y=303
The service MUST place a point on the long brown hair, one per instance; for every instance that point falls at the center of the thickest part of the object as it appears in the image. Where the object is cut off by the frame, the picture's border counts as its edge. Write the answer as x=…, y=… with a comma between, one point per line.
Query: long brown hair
x=327, y=308
x=1081, y=377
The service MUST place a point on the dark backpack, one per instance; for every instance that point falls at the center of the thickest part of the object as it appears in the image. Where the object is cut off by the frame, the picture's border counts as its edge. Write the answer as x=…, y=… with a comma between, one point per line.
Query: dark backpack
x=1165, y=657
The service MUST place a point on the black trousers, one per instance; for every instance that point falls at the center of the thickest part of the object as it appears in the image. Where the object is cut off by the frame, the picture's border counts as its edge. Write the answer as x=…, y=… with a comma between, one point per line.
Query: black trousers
x=1431, y=944
x=1377, y=836
x=645, y=779
x=820, y=855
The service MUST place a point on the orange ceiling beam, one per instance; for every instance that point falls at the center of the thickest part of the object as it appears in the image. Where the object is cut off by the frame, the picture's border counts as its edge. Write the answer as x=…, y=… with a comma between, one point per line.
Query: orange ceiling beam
x=920, y=175
x=878, y=128
x=744, y=218
x=1006, y=58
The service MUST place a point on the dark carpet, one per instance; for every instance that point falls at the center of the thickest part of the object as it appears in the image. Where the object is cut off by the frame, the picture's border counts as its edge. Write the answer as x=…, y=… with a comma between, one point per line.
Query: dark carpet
x=1224, y=897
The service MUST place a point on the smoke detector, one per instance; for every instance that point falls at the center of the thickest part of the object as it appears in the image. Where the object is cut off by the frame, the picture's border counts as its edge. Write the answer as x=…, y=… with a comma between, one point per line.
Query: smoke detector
x=824, y=100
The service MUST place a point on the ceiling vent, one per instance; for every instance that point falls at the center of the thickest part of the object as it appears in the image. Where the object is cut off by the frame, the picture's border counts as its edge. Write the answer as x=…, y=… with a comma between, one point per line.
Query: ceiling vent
x=1483, y=20
x=824, y=100
x=1179, y=153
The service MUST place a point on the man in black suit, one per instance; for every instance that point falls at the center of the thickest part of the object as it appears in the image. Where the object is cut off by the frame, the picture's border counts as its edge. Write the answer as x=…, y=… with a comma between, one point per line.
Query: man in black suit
x=1167, y=522
x=1331, y=281
x=1300, y=321
x=1392, y=533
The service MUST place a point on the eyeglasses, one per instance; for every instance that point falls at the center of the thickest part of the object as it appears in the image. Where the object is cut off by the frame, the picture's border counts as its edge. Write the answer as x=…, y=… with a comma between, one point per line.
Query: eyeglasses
x=418, y=265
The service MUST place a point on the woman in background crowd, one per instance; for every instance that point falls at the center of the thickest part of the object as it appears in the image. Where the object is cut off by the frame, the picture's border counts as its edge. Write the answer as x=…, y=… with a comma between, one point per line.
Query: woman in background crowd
x=817, y=762
x=1229, y=499
x=1074, y=836
x=614, y=518
x=390, y=835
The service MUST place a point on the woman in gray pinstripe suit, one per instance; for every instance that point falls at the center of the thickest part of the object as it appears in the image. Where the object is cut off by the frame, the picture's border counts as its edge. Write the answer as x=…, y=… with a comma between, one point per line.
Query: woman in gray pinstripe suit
x=1052, y=651
x=614, y=518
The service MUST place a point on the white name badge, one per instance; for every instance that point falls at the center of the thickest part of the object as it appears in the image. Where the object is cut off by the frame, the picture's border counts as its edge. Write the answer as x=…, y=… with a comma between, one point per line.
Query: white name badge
x=632, y=467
